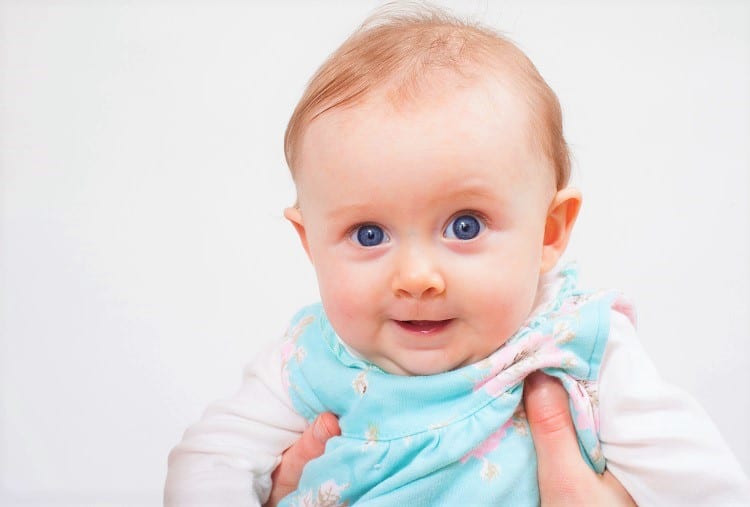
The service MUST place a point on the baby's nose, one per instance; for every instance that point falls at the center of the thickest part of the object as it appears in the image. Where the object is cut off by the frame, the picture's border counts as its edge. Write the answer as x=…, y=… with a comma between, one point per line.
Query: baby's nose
x=417, y=275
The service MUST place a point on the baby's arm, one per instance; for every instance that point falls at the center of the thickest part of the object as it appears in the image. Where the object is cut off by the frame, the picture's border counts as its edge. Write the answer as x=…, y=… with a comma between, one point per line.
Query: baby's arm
x=658, y=442
x=227, y=457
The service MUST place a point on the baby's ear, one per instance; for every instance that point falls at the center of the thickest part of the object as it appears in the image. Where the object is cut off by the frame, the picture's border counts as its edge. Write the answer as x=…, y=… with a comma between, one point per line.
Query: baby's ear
x=561, y=217
x=294, y=215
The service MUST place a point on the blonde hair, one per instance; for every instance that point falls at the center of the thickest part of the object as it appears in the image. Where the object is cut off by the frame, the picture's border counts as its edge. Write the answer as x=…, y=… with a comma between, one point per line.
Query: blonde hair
x=399, y=45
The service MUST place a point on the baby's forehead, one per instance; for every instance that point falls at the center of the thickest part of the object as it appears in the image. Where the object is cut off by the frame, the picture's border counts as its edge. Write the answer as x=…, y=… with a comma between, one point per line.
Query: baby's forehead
x=458, y=124
x=499, y=94
x=416, y=61
x=435, y=85
x=442, y=91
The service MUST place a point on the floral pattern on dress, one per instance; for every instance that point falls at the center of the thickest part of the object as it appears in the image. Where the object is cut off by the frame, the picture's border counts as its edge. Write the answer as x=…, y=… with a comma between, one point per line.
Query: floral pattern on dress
x=327, y=495
x=490, y=444
x=512, y=362
x=490, y=469
x=359, y=384
x=371, y=436
x=289, y=348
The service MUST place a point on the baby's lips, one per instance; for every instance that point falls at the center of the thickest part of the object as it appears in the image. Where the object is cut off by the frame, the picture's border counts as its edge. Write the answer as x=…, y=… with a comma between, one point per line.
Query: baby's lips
x=424, y=326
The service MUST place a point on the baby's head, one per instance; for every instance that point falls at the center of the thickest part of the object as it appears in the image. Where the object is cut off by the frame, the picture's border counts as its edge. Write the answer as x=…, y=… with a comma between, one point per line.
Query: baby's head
x=431, y=176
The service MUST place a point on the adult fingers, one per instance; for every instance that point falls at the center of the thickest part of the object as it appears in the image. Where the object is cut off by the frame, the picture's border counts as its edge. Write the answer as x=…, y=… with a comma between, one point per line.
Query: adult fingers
x=310, y=445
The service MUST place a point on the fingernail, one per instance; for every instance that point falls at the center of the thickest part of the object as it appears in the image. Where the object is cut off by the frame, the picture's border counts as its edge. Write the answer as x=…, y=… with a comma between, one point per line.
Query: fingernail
x=535, y=378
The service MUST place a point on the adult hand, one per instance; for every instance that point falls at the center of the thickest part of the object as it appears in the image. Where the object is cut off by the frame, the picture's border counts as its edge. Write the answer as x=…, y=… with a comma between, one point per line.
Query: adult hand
x=310, y=445
x=564, y=478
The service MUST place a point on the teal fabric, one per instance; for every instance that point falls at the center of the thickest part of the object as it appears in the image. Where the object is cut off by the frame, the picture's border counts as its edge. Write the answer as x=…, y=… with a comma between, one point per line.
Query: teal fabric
x=456, y=438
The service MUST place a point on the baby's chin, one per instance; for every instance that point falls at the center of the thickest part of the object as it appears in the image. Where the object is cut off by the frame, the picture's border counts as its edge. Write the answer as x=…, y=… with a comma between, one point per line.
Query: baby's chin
x=422, y=366
x=434, y=356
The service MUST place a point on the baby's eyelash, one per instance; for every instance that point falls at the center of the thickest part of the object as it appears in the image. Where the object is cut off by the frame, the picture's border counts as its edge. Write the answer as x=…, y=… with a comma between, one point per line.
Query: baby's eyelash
x=478, y=214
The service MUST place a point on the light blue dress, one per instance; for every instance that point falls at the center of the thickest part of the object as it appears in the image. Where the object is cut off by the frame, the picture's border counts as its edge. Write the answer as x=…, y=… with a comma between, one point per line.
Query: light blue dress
x=457, y=438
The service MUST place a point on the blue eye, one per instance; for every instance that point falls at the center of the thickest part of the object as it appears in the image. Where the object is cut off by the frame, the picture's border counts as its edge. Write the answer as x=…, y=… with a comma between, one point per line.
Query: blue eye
x=464, y=228
x=369, y=235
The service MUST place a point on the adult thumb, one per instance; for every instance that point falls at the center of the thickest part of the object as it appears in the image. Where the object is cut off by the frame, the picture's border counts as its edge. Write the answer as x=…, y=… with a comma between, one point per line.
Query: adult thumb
x=324, y=427
x=547, y=410
x=310, y=445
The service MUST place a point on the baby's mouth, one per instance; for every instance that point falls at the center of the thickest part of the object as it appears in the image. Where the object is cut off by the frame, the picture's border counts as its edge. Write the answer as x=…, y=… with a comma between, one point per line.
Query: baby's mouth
x=424, y=326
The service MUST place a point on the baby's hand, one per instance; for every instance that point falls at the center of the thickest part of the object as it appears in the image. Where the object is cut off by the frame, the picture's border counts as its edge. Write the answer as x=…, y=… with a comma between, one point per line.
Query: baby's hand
x=310, y=445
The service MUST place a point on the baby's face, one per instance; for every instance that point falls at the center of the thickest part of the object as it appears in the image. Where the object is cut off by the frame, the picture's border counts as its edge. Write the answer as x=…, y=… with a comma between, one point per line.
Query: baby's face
x=425, y=225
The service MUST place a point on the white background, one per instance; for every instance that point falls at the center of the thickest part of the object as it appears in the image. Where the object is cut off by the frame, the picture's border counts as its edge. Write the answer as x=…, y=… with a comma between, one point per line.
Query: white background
x=144, y=257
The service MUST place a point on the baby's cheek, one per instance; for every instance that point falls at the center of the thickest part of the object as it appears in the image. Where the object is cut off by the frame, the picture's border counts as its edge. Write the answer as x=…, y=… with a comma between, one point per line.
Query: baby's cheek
x=345, y=306
x=344, y=290
x=505, y=304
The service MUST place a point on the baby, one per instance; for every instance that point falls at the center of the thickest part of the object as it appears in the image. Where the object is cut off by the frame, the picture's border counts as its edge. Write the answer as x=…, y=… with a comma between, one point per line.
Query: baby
x=432, y=173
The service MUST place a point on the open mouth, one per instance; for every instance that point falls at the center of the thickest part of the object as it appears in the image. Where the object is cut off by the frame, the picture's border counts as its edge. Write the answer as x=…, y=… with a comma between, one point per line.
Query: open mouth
x=424, y=326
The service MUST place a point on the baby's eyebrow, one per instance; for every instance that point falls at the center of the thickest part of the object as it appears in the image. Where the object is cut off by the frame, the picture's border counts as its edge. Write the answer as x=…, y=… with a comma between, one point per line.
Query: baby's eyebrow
x=473, y=191
x=459, y=192
x=346, y=210
x=468, y=193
